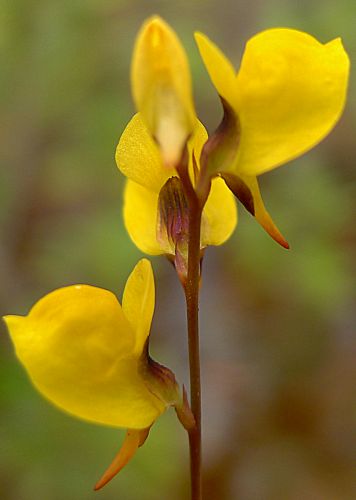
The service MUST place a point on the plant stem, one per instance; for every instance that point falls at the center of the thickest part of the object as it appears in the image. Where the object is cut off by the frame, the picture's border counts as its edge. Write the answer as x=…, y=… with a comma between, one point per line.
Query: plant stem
x=192, y=301
x=191, y=289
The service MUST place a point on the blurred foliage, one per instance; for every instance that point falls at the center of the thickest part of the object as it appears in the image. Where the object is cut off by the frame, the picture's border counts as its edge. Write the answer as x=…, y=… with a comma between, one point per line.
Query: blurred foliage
x=278, y=328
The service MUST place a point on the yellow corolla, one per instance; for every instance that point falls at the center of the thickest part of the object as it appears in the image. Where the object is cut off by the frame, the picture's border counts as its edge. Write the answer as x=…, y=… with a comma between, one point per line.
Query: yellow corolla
x=288, y=94
x=88, y=355
x=139, y=159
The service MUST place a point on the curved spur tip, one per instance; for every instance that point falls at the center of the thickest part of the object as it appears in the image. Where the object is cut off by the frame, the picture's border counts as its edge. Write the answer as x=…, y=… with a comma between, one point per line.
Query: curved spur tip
x=126, y=452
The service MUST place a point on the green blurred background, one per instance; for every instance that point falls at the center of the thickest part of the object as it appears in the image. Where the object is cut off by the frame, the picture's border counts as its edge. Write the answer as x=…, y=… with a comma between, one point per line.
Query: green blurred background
x=278, y=328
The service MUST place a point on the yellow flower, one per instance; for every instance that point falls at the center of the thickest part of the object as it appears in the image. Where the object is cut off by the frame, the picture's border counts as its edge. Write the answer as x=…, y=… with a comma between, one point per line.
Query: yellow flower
x=88, y=355
x=288, y=94
x=163, y=135
x=161, y=87
x=139, y=159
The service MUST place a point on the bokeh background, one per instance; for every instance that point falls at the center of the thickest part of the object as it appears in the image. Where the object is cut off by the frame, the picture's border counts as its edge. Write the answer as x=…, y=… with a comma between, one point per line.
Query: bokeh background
x=278, y=328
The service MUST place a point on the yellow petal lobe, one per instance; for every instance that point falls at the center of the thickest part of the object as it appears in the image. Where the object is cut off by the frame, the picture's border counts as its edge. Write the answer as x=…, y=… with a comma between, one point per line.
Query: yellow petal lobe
x=138, y=302
x=138, y=157
x=79, y=351
x=220, y=69
x=219, y=217
x=161, y=86
x=291, y=91
x=141, y=219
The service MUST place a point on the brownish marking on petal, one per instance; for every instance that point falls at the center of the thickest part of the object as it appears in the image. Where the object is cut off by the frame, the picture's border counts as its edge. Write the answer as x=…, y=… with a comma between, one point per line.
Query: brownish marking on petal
x=252, y=201
x=220, y=150
x=240, y=190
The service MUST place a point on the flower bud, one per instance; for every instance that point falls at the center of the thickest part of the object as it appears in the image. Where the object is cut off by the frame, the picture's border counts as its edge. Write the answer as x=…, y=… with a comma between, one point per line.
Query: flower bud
x=173, y=223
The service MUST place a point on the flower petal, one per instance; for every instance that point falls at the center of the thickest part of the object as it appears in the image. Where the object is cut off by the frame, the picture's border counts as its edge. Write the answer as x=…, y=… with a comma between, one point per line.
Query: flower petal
x=138, y=158
x=138, y=302
x=289, y=93
x=78, y=349
x=162, y=88
x=219, y=215
x=140, y=218
x=220, y=69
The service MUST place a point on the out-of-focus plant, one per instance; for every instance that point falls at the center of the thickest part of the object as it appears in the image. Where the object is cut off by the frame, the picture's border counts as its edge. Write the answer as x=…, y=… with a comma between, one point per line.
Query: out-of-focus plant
x=85, y=352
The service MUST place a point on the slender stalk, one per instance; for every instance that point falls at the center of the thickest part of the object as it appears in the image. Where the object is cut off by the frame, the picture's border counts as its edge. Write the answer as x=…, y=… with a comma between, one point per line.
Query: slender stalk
x=192, y=301
x=191, y=289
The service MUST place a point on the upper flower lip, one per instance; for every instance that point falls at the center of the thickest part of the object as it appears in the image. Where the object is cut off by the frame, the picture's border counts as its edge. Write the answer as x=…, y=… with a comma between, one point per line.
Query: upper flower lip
x=162, y=89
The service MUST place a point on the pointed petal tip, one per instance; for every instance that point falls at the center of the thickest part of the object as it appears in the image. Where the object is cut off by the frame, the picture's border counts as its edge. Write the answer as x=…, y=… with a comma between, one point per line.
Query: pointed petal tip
x=154, y=28
x=154, y=17
x=152, y=22
x=144, y=264
x=12, y=321
x=274, y=232
x=100, y=484
x=337, y=42
x=201, y=40
x=269, y=226
x=279, y=238
x=11, y=317
x=143, y=270
x=284, y=244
